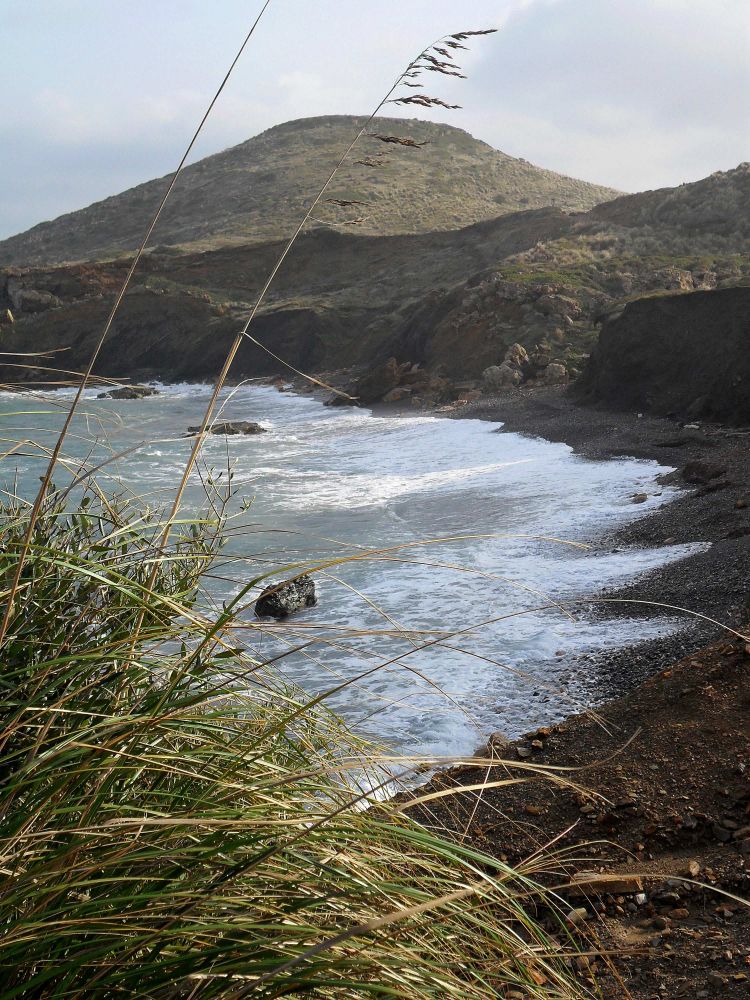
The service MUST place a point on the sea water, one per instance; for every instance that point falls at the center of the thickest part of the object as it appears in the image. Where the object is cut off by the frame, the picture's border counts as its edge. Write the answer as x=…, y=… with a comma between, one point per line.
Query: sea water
x=455, y=562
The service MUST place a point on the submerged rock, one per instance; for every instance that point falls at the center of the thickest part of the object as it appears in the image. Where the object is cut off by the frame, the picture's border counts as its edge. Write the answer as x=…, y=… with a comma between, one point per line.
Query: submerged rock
x=280, y=600
x=129, y=392
x=229, y=427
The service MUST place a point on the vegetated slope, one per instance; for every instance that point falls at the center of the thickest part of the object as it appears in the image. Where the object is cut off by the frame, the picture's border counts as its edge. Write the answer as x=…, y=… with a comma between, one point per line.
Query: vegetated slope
x=452, y=301
x=258, y=191
x=337, y=301
x=718, y=205
x=554, y=294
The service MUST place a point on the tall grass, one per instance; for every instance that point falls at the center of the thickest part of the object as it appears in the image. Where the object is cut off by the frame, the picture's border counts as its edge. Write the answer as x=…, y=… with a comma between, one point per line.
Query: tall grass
x=176, y=821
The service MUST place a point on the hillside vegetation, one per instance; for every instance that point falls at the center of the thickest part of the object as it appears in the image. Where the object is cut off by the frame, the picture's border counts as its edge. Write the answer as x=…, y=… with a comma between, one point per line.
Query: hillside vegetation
x=258, y=191
x=452, y=301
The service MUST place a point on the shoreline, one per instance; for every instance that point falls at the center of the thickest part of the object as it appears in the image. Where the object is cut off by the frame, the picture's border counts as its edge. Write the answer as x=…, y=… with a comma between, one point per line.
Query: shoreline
x=656, y=829
x=712, y=469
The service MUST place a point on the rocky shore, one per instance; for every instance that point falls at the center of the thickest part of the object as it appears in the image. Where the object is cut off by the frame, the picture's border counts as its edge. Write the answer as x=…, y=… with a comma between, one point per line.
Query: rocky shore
x=649, y=838
x=712, y=464
x=656, y=833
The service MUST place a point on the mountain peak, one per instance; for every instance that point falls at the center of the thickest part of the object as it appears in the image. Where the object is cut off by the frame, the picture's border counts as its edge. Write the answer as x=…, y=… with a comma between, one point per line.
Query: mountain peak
x=259, y=189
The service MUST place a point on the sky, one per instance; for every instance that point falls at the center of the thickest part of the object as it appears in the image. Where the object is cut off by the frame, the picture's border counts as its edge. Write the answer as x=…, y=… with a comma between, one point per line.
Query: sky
x=100, y=95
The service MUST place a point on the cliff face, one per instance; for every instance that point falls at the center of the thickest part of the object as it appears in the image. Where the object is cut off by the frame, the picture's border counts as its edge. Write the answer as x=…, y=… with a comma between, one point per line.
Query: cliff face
x=339, y=300
x=687, y=355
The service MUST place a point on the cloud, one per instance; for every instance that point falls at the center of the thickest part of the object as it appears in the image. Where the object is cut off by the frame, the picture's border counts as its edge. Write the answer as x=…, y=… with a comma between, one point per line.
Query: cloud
x=638, y=95
x=635, y=94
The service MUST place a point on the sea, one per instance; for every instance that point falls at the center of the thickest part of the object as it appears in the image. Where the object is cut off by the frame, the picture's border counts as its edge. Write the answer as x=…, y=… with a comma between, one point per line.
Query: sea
x=457, y=565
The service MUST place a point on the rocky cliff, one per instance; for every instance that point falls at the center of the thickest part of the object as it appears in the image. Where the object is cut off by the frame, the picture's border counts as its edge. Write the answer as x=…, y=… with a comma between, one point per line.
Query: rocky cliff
x=687, y=355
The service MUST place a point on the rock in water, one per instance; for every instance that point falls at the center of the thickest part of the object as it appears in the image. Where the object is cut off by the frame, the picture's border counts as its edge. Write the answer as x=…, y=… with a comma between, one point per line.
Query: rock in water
x=229, y=427
x=129, y=392
x=280, y=600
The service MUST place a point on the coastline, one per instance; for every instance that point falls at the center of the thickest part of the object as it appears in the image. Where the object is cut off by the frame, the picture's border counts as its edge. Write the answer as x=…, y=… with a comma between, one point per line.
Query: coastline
x=662, y=802
x=712, y=467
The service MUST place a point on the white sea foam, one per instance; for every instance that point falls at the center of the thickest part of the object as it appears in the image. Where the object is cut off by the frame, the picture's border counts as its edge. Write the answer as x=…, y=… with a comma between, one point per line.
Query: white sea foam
x=338, y=481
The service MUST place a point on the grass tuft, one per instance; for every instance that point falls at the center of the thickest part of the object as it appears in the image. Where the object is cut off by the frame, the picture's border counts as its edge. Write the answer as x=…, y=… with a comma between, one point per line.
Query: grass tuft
x=176, y=821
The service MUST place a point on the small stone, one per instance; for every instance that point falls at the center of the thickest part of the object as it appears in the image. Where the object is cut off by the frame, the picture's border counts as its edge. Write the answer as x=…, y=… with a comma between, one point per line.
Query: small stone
x=715, y=980
x=694, y=869
x=524, y=752
x=661, y=923
x=578, y=915
x=740, y=504
x=532, y=810
x=680, y=913
x=537, y=745
x=641, y=899
x=590, y=883
x=639, y=498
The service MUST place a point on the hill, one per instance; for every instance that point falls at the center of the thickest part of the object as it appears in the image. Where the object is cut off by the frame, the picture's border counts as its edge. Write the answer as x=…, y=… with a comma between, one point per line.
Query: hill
x=718, y=205
x=258, y=190
x=452, y=301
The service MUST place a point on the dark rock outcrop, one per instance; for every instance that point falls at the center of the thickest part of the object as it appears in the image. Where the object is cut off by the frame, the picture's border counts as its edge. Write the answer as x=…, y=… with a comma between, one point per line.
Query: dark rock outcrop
x=686, y=355
x=280, y=600
x=231, y=427
x=129, y=392
x=378, y=382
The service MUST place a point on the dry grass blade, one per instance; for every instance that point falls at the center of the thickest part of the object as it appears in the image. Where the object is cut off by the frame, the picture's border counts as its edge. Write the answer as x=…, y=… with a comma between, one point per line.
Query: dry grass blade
x=423, y=101
x=163, y=830
x=400, y=140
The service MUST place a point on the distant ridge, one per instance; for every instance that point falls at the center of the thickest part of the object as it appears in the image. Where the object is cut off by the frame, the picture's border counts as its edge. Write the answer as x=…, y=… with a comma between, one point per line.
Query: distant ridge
x=718, y=204
x=257, y=190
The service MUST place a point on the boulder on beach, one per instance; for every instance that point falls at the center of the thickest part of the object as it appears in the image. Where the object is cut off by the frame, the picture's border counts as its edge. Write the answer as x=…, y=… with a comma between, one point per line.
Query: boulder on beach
x=498, y=377
x=377, y=382
x=554, y=374
x=516, y=355
x=398, y=395
x=129, y=392
x=229, y=427
x=279, y=600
